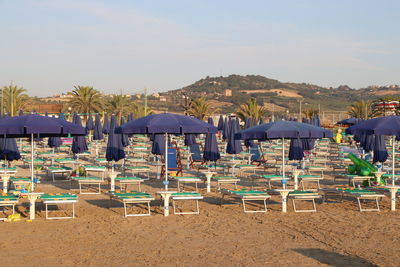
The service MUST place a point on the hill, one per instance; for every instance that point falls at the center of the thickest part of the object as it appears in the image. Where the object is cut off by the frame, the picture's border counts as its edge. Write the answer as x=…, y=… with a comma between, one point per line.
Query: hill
x=237, y=89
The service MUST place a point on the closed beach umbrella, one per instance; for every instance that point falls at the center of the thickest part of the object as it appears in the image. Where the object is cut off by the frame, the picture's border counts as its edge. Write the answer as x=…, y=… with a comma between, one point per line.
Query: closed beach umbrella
x=9, y=149
x=158, y=146
x=115, y=149
x=296, y=149
x=106, y=125
x=211, y=152
x=89, y=123
x=225, y=129
x=220, y=123
x=234, y=146
x=190, y=139
x=98, y=128
x=380, y=152
x=247, y=125
x=125, y=138
x=79, y=144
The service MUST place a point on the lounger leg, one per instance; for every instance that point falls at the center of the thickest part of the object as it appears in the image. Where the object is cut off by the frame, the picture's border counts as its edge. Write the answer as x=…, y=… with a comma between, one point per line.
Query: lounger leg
x=294, y=204
x=173, y=205
x=125, y=210
x=139, y=187
x=73, y=210
x=47, y=212
x=148, y=206
x=197, y=205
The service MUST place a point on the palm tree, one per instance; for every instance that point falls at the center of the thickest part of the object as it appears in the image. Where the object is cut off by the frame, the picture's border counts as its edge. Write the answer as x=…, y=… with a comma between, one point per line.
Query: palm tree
x=14, y=99
x=120, y=105
x=251, y=110
x=362, y=109
x=140, y=111
x=199, y=108
x=85, y=99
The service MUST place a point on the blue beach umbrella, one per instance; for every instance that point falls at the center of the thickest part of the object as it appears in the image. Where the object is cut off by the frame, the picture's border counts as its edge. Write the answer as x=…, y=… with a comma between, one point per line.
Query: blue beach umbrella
x=225, y=129
x=296, y=149
x=106, y=125
x=33, y=125
x=98, y=128
x=89, y=123
x=190, y=139
x=308, y=143
x=220, y=123
x=234, y=146
x=166, y=123
x=125, y=138
x=247, y=125
x=54, y=141
x=349, y=121
x=115, y=149
x=79, y=144
x=158, y=146
x=9, y=149
x=380, y=152
x=211, y=152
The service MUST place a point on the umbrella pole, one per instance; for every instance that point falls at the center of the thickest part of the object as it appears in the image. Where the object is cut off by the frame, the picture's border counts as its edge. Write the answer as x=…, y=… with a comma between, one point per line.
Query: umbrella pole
x=32, y=174
x=166, y=162
x=393, y=159
x=283, y=157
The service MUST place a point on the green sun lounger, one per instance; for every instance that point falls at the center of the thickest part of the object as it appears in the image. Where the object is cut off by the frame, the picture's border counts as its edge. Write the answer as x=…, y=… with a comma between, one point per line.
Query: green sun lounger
x=59, y=199
x=8, y=200
x=88, y=180
x=133, y=198
x=132, y=180
x=186, y=196
x=249, y=196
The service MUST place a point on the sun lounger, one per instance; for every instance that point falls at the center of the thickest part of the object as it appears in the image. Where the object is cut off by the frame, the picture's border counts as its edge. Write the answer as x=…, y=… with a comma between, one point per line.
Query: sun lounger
x=357, y=178
x=12, y=170
x=272, y=178
x=310, y=178
x=298, y=195
x=134, y=198
x=186, y=179
x=224, y=180
x=88, y=180
x=20, y=183
x=137, y=170
x=58, y=170
x=359, y=194
x=249, y=196
x=125, y=181
x=184, y=196
x=95, y=169
x=8, y=200
x=59, y=199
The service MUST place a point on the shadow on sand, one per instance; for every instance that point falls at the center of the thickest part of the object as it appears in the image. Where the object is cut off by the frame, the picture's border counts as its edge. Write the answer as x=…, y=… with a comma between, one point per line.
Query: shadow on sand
x=333, y=258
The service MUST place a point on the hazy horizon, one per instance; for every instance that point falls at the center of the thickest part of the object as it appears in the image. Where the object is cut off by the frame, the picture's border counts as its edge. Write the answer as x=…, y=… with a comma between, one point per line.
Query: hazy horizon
x=49, y=46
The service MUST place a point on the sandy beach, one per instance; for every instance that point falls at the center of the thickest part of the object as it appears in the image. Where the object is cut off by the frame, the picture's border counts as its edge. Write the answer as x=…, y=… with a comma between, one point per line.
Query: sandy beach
x=337, y=235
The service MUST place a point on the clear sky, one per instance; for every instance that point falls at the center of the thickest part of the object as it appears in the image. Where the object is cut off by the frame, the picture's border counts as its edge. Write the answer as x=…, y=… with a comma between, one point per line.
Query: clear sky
x=48, y=46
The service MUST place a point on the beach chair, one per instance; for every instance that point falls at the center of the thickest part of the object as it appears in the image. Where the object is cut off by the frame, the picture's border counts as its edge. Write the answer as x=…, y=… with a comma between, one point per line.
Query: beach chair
x=174, y=162
x=186, y=180
x=195, y=154
x=95, y=169
x=185, y=196
x=225, y=180
x=8, y=200
x=88, y=181
x=299, y=195
x=65, y=171
x=358, y=194
x=132, y=198
x=59, y=199
x=137, y=170
x=249, y=196
x=257, y=155
x=125, y=181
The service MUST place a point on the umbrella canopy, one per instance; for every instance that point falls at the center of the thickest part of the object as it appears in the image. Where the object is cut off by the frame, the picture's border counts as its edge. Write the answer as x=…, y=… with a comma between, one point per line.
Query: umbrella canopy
x=89, y=123
x=98, y=129
x=380, y=152
x=220, y=123
x=125, y=138
x=283, y=129
x=234, y=146
x=106, y=125
x=79, y=144
x=158, y=147
x=115, y=149
x=9, y=149
x=166, y=123
x=296, y=149
x=349, y=121
x=211, y=152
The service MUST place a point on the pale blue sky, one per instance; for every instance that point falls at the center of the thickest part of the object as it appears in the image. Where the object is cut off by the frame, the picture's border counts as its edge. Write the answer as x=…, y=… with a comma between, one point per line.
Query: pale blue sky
x=48, y=46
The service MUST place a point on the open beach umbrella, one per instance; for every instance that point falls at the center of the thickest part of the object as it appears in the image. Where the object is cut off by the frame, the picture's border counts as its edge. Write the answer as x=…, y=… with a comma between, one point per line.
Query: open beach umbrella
x=389, y=125
x=349, y=121
x=296, y=149
x=106, y=125
x=125, y=138
x=380, y=152
x=98, y=128
x=166, y=123
x=115, y=149
x=283, y=130
x=79, y=144
x=33, y=125
x=89, y=123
